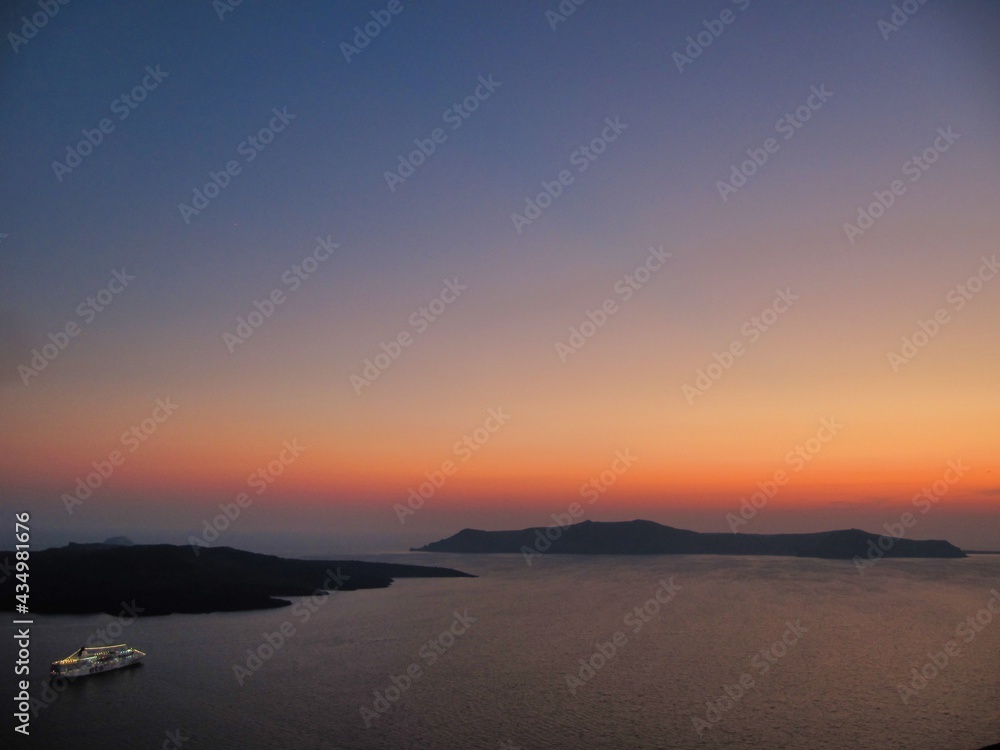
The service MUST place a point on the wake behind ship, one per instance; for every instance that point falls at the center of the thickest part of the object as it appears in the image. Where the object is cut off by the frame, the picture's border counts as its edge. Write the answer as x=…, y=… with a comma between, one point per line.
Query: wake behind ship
x=91, y=660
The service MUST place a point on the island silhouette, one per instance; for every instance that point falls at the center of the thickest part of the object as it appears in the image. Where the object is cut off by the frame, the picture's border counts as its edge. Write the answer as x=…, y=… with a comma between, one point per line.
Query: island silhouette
x=160, y=579
x=649, y=538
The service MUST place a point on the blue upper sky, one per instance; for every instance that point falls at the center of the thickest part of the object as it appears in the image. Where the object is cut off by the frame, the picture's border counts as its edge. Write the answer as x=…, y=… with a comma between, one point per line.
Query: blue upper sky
x=208, y=84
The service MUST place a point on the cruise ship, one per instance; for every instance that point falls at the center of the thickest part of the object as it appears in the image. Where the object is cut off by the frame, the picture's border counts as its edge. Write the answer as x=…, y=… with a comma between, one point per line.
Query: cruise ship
x=91, y=660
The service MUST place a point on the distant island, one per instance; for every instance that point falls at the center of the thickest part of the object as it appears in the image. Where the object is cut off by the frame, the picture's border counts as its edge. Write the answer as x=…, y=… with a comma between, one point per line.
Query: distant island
x=119, y=541
x=649, y=538
x=163, y=578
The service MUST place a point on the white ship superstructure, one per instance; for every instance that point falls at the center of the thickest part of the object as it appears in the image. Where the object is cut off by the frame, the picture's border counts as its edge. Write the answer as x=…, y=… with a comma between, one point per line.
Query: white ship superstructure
x=91, y=660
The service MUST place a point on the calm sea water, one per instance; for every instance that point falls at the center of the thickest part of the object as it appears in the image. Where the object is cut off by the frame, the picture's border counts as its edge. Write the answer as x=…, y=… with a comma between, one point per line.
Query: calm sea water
x=501, y=682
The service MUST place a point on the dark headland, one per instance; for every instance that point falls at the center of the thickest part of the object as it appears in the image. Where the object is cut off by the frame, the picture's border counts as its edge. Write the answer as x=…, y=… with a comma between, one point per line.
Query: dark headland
x=163, y=578
x=649, y=538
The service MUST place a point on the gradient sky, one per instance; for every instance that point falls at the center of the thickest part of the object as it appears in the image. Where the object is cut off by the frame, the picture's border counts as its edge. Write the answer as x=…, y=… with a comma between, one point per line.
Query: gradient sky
x=494, y=347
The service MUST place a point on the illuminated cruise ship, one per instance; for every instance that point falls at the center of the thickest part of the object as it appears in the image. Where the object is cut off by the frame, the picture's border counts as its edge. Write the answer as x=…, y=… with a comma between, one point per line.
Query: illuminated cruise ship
x=97, y=659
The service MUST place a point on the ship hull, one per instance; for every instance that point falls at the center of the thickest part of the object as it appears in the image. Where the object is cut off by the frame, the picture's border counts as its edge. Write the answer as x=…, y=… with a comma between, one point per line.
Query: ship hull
x=94, y=660
x=96, y=669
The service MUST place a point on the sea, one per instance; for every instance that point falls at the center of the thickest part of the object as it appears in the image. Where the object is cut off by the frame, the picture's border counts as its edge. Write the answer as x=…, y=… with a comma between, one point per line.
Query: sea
x=568, y=652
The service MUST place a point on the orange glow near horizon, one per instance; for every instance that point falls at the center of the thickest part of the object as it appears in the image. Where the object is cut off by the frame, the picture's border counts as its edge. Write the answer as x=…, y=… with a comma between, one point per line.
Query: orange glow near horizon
x=656, y=377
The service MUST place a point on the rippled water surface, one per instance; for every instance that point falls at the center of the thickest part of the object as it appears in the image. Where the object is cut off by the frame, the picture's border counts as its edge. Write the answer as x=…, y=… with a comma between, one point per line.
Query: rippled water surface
x=849, y=642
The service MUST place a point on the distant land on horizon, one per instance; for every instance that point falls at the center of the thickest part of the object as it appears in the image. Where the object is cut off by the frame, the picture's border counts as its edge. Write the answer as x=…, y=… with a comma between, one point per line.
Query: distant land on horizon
x=164, y=579
x=649, y=538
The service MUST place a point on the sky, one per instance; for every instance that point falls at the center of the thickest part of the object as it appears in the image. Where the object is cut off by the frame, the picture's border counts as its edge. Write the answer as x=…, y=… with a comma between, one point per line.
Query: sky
x=351, y=277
